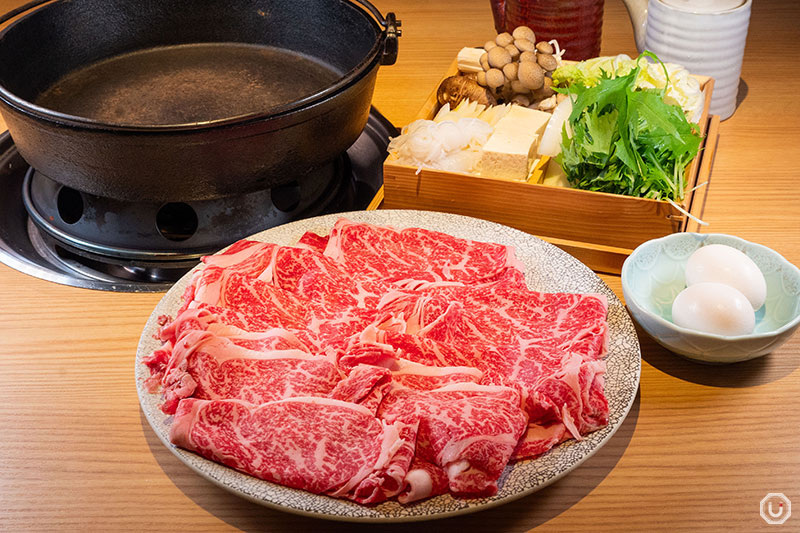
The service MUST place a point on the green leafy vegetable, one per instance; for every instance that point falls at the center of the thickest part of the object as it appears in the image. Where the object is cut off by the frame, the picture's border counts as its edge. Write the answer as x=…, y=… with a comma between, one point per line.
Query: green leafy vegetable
x=627, y=140
x=681, y=88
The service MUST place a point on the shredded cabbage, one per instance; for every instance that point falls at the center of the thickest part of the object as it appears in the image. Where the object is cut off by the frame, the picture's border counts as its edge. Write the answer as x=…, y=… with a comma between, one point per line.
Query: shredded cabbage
x=682, y=89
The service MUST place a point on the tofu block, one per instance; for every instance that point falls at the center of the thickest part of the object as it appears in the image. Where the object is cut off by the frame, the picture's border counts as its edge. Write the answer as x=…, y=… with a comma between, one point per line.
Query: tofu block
x=512, y=146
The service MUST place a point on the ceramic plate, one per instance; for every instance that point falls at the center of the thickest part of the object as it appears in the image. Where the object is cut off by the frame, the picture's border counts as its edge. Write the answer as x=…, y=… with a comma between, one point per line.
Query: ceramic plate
x=548, y=269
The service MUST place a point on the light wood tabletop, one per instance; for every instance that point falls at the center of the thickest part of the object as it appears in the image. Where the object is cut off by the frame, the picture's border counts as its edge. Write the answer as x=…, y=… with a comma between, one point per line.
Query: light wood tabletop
x=699, y=450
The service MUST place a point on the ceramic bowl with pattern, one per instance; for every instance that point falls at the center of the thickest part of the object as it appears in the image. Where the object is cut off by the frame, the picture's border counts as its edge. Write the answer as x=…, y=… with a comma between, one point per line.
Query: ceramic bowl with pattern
x=653, y=276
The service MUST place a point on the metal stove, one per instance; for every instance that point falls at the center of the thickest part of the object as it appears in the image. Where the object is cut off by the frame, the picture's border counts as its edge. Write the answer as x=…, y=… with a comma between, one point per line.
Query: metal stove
x=59, y=234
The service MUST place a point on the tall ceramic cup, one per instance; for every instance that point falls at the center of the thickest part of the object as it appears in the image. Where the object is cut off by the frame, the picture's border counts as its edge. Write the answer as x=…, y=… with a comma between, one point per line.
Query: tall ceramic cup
x=705, y=36
x=576, y=24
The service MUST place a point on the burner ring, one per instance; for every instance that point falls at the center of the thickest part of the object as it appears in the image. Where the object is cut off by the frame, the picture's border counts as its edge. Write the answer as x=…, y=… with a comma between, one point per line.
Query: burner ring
x=89, y=246
x=143, y=231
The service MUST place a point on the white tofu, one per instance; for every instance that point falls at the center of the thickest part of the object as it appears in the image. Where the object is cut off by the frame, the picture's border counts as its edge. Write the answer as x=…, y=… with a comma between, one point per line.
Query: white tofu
x=512, y=145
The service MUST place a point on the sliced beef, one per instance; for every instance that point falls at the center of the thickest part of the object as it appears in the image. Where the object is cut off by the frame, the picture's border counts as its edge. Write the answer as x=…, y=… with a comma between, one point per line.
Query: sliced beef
x=250, y=296
x=423, y=480
x=246, y=257
x=548, y=346
x=208, y=366
x=378, y=252
x=373, y=346
x=312, y=241
x=320, y=445
x=539, y=438
x=420, y=377
x=365, y=385
x=468, y=430
x=332, y=365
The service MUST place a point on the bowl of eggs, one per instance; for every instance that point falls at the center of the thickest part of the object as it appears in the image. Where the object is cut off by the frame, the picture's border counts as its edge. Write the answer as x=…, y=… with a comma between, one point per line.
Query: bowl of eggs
x=712, y=298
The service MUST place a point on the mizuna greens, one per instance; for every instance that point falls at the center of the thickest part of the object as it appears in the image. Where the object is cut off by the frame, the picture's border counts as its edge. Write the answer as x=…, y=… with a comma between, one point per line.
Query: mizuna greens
x=626, y=140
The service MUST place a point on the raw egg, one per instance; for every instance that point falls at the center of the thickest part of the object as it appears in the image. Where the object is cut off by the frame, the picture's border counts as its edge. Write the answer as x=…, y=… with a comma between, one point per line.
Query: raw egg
x=713, y=308
x=725, y=264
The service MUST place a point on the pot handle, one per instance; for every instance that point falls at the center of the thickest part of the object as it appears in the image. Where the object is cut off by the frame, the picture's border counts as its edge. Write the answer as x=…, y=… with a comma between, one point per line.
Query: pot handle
x=5, y=17
x=391, y=27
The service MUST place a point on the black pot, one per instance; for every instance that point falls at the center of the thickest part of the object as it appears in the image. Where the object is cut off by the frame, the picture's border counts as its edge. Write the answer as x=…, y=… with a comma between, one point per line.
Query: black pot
x=170, y=100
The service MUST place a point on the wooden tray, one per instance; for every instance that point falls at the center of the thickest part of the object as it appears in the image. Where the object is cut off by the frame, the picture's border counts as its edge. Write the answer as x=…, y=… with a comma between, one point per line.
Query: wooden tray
x=600, y=229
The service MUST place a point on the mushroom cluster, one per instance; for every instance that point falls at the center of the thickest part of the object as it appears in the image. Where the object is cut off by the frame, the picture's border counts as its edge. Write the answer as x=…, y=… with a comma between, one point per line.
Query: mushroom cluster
x=517, y=69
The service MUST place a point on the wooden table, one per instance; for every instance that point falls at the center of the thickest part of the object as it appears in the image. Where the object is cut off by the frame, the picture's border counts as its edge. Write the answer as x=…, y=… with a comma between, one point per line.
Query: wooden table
x=701, y=447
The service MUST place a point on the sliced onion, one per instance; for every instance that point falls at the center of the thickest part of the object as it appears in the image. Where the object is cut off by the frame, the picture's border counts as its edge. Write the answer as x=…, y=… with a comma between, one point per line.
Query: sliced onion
x=550, y=144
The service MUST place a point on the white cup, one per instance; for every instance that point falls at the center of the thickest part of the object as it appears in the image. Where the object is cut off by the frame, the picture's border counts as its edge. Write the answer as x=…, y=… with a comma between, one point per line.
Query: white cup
x=707, y=37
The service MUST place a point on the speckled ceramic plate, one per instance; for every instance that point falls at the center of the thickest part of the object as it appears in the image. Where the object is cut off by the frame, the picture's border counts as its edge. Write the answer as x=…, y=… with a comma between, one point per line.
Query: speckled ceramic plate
x=548, y=268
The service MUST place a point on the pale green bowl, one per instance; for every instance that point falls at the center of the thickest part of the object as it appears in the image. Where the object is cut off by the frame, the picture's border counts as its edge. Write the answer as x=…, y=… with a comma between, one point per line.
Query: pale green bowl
x=654, y=274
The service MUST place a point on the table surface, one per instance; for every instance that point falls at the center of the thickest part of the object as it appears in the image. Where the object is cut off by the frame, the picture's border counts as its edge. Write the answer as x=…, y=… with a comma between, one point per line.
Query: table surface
x=700, y=449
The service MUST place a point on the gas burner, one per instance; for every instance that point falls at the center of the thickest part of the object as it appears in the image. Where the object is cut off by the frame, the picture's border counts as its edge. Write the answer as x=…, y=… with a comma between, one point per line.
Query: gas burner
x=70, y=237
x=176, y=230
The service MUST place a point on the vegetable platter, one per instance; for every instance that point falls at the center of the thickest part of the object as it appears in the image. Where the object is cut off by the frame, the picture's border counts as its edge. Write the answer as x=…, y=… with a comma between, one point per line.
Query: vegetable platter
x=599, y=228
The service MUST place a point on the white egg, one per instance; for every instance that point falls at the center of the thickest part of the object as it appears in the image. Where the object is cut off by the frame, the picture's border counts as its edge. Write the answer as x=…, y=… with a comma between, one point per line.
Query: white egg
x=724, y=264
x=713, y=308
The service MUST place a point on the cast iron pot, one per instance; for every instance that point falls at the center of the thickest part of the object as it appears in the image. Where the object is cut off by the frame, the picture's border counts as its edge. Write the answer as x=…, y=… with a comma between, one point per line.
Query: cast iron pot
x=179, y=100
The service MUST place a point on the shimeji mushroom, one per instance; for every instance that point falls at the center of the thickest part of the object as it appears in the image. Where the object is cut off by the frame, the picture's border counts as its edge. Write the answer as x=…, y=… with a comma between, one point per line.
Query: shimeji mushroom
x=531, y=75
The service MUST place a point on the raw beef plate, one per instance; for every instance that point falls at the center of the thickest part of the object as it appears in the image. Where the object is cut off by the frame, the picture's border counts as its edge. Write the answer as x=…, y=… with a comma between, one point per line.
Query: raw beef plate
x=375, y=363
